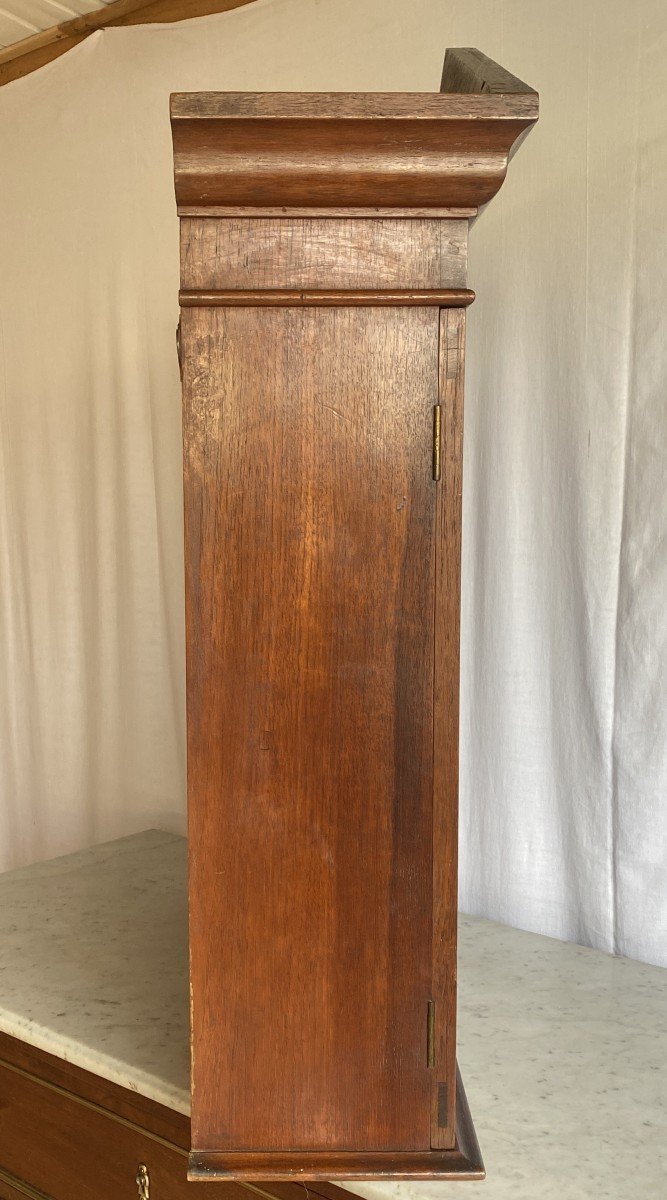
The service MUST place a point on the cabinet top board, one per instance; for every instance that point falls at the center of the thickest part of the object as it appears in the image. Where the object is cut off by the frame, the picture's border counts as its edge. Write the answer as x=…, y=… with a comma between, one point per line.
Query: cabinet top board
x=385, y=151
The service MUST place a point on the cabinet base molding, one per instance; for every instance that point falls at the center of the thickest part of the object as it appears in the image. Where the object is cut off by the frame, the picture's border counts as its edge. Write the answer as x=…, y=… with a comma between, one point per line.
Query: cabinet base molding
x=464, y=1161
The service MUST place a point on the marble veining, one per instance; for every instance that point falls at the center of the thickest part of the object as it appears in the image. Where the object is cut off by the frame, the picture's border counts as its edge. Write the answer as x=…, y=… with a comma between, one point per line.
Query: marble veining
x=562, y=1049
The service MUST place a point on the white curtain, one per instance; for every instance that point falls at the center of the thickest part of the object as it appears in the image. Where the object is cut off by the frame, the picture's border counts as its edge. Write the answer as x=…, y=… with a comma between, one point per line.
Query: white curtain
x=564, y=726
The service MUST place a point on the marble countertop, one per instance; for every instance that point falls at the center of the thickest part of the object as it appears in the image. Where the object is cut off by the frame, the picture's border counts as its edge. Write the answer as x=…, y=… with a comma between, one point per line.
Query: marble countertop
x=94, y=962
x=562, y=1049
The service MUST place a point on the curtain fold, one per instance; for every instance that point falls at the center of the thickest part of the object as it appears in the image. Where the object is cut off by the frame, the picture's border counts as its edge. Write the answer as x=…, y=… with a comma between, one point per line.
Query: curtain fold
x=564, y=653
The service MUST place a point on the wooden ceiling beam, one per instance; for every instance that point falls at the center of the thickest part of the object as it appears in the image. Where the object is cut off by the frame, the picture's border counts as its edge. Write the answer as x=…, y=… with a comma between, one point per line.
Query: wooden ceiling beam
x=30, y=53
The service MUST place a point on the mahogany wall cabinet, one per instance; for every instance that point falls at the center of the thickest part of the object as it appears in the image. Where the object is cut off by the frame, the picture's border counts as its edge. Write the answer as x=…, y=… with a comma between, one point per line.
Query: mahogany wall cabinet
x=323, y=275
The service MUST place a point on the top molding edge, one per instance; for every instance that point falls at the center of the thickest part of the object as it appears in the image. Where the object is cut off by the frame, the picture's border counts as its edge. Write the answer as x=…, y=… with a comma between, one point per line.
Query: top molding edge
x=351, y=106
x=351, y=150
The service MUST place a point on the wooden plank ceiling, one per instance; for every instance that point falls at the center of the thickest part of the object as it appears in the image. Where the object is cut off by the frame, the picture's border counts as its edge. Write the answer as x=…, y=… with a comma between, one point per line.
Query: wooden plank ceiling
x=33, y=32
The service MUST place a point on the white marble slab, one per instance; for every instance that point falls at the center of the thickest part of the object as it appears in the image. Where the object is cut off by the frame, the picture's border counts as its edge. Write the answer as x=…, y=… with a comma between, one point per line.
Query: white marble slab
x=94, y=962
x=562, y=1050
x=563, y=1053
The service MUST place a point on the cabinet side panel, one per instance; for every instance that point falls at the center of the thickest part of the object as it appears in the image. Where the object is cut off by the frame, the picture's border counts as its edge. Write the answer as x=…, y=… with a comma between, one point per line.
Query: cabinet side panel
x=310, y=547
x=446, y=727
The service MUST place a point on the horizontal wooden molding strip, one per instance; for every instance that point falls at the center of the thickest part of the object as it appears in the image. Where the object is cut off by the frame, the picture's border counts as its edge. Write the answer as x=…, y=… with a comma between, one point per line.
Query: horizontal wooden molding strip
x=319, y=109
x=20, y=1186
x=381, y=214
x=327, y=298
x=242, y=1166
x=106, y=1112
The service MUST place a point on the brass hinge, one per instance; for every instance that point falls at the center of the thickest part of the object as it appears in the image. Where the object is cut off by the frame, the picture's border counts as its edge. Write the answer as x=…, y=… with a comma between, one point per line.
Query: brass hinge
x=179, y=350
x=437, y=440
x=430, y=1034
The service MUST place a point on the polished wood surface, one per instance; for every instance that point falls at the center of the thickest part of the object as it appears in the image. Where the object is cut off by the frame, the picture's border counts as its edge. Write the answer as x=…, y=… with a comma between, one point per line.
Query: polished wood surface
x=67, y=1133
x=323, y=415
x=151, y=1117
x=310, y=523
x=441, y=212
x=382, y=149
x=463, y=1161
x=446, y=724
x=80, y=1151
x=328, y=298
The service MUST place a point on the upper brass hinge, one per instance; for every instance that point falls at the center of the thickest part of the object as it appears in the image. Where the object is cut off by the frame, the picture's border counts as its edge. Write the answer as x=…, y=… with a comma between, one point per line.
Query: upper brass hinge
x=430, y=1033
x=437, y=441
x=179, y=349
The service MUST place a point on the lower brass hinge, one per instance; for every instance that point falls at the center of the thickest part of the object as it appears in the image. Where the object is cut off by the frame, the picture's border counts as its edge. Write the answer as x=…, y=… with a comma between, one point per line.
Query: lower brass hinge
x=437, y=440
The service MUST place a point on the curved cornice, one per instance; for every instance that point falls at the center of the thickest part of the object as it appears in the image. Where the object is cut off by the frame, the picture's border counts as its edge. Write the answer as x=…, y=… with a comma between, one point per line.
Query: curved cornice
x=417, y=151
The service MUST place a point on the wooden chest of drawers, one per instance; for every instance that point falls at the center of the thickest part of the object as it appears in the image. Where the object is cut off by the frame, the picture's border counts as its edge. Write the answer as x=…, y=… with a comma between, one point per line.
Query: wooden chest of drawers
x=66, y=1134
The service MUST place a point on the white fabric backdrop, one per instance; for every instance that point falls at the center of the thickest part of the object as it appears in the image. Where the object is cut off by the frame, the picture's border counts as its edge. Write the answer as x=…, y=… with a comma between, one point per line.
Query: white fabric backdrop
x=564, y=723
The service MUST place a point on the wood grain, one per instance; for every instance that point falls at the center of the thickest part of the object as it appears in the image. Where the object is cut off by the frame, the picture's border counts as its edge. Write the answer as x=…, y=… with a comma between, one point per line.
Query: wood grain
x=323, y=594
x=243, y=212
x=80, y=1151
x=130, y=1106
x=341, y=298
x=42, y=51
x=466, y=70
x=434, y=1164
x=390, y=150
x=463, y=1161
x=88, y=1123
x=13, y=1188
x=310, y=514
x=446, y=727
x=265, y=254
x=316, y=108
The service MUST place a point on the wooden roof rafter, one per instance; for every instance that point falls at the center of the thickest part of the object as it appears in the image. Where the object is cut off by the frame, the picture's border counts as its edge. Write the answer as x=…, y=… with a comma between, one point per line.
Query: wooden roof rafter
x=33, y=52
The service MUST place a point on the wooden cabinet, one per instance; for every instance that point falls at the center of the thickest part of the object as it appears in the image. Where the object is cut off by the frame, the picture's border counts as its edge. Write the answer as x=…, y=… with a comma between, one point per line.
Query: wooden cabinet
x=323, y=275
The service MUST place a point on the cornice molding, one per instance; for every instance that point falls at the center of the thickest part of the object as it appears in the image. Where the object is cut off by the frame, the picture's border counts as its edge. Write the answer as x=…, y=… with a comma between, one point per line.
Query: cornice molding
x=388, y=151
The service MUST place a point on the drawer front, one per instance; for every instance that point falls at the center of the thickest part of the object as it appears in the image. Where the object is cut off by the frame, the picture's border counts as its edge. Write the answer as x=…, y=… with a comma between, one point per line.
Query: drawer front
x=69, y=1149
